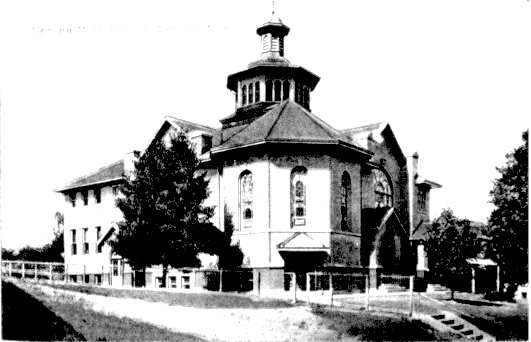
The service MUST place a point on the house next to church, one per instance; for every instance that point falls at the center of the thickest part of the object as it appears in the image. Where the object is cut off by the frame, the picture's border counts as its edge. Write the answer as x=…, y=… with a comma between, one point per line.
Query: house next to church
x=302, y=195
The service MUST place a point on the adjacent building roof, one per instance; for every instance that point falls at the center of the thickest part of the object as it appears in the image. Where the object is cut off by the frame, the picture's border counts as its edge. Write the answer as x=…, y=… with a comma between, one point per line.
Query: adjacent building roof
x=106, y=174
x=286, y=122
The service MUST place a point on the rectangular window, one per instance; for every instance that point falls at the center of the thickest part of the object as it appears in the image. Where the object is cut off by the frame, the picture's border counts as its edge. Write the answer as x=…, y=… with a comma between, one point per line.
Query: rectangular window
x=84, y=193
x=421, y=200
x=73, y=199
x=173, y=282
x=74, y=245
x=85, y=243
x=98, y=236
x=115, y=267
x=185, y=282
x=97, y=195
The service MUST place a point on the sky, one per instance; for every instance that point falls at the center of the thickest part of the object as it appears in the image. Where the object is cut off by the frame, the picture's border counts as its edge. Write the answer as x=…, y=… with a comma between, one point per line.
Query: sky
x=84, y=82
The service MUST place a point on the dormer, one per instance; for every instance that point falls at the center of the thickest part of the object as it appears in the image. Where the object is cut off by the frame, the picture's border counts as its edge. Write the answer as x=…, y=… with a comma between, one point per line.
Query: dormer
x=201, y=140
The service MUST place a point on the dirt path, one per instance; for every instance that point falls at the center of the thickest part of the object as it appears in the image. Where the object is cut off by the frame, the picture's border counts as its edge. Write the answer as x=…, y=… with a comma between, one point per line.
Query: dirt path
x=286, y=324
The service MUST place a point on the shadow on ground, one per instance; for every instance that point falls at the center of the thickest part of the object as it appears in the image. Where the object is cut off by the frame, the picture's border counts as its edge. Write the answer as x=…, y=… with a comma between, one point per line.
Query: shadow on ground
x=27, y=319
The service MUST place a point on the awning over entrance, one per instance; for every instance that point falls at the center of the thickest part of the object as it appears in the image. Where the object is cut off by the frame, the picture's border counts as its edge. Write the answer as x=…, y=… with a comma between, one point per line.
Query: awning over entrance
x=481, y=262
x=301, y=242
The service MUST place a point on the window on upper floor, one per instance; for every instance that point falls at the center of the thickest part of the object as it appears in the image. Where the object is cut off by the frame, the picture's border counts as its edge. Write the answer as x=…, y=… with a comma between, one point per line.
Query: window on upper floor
x=72, y=198
x=115, y=190
x=244, y=95
x=421, y=200
x=298, y=196
x=382, y=190
x=246, y=199
x=74, y=244
x=345, y=201
x=278, y=90
x=85, y=241
x=97, y=195
x=251, y=93
x=84, y=194
x=269, y=90
x=257, y=91
x=285, y=90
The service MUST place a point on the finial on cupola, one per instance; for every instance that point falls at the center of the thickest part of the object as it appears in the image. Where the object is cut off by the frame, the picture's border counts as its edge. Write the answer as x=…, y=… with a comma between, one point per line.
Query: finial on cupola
x=273, y=33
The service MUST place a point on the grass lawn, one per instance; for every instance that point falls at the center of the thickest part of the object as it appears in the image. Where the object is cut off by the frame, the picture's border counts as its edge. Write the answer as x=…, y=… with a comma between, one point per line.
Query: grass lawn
x=206, y=300
x=95, y=326
x=505, y=321
x=370, y=326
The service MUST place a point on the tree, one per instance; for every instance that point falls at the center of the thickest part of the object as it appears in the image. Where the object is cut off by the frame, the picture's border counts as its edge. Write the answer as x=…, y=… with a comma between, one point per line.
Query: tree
x=450, y=242
x=165, y=222
x=508, y=222
x=230, y=256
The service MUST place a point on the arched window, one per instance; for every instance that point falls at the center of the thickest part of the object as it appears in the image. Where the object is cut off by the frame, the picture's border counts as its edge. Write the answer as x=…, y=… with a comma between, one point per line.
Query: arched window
x=345, y=201
x=244, y=95
x=298, y=196
x=246, y=199
x=257, y=91
x=382, y=190
x=251, y=97
x=278, y=89
x=269, y=90
x=285, y=90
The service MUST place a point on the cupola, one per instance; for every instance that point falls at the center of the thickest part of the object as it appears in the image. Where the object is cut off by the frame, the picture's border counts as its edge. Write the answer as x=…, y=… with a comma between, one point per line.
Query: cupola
x=270, y=79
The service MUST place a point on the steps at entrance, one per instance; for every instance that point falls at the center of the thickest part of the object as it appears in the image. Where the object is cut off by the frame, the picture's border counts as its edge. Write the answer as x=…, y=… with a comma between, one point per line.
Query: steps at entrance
x=461, y=327
x=391, y=288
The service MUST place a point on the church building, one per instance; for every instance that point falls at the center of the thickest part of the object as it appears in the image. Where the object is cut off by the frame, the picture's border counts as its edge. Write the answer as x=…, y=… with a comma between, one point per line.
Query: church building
x=302, y=195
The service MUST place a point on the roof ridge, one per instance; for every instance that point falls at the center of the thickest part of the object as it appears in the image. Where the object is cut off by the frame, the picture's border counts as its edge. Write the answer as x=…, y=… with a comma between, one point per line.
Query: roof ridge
x=68, y=184
x=320, y=122
x=193, y=123
x=280, y=111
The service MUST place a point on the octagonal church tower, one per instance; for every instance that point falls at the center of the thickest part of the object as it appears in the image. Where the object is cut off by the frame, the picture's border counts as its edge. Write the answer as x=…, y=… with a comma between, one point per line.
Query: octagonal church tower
x=290, y=183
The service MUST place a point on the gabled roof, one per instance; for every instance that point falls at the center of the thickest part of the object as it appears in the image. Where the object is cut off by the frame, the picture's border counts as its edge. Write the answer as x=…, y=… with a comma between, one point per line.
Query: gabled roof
x=187, y=127
x=286, y=122
x=106, y=174
x=377, y=132
x=300, y=241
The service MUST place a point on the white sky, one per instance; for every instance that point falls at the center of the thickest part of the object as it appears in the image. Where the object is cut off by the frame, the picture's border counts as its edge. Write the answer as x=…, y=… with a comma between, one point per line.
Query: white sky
x=84, y=82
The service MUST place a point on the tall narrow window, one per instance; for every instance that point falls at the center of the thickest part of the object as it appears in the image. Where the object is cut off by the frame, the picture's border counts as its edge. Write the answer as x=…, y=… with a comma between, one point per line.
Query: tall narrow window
x=97, y=195
x=74, y=245
x=246, y=199
x=421, y=200
x=251, y=97
x=305, y=96
x=85, y=241
x=298, y=196
x=257, y=91
x=73, y=198
x=278, y=90
x=298, y=93
x=98, y=235
x=84, y=193
x=269, y=90
x=345, y=201
x=285, y=90
x=382, y=190
x=244, y=95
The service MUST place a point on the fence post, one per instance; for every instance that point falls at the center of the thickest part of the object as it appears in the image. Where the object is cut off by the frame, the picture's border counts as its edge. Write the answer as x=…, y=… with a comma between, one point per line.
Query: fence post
x=10, y=269
x=411, y=304
x=84, y=271
x=220, y=280
x=331, y=289
x=23, y=270
x=36, y=268
x=294, y=281
x=366, y=292
x=51, y=273
x=308, y=287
